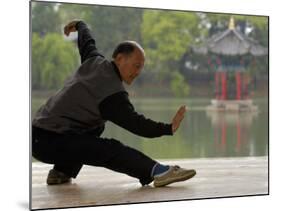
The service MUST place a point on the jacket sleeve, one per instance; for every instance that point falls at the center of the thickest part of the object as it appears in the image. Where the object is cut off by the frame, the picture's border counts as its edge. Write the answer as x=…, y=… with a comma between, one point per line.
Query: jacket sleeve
x=86, y=42
x=118, y=109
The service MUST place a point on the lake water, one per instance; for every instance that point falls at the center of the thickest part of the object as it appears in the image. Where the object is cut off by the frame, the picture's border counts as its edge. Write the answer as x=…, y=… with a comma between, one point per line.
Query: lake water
x=201, y=134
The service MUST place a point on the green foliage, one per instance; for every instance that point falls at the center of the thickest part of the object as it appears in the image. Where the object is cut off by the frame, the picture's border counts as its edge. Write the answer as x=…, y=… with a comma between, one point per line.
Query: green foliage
x=53, y=59
x=118, y=24
x=167, y=34
x=36, y=60
x=109, y=25
x=45, y=18
x=69, y=12
x=178, y=85
x=260, y=29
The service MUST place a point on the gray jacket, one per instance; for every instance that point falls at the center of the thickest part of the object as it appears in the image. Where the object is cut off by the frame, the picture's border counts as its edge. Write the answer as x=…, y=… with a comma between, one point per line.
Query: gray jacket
x=75, y=106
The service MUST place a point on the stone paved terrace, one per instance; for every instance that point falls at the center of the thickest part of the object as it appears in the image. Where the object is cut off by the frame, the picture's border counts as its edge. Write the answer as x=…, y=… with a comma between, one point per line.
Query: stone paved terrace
x=216, y=177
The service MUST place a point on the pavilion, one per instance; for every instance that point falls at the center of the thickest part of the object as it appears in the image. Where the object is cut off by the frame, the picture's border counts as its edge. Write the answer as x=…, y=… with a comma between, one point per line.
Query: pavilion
x=228, y=49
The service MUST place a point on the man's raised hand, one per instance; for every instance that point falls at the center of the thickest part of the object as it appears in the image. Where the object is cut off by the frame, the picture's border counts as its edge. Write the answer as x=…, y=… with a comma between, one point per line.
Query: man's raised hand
x=178, y=118
x=70, y=27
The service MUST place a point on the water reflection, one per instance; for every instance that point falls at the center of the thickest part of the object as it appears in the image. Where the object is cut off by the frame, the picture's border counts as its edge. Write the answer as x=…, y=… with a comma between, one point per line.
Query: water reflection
x=224, y=123
x=202, y=134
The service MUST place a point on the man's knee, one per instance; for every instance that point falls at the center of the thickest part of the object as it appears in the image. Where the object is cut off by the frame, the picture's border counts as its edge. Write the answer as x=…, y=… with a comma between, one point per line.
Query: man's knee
x=114, y=143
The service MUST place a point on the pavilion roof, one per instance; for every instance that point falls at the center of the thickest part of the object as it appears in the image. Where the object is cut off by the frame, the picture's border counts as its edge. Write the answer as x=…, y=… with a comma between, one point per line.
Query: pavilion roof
x=231, y=42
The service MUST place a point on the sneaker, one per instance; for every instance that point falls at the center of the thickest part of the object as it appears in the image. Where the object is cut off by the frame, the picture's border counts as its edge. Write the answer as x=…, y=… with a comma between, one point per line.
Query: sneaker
x=55, y=178
x=174, y=174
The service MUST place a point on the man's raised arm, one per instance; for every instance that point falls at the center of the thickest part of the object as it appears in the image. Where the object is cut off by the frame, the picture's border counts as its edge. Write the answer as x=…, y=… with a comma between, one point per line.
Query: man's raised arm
x=86, y=42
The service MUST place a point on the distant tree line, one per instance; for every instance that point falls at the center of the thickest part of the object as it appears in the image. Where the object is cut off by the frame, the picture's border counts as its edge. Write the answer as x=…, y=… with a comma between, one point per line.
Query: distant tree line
x=167, y=37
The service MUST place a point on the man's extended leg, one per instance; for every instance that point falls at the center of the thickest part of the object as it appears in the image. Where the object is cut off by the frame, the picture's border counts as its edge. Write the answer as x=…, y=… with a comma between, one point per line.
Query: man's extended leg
x=112, y=154
x=51, y=147
x=109, y=153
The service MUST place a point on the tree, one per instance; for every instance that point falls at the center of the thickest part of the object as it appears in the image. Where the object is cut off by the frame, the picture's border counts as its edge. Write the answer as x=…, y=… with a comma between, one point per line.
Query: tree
x=178, y=85
x=260, y=27
x=53, y=60
x=45, y=18
x=166, y=37
x=109, y=25
x=167, y=34
x=37, y=42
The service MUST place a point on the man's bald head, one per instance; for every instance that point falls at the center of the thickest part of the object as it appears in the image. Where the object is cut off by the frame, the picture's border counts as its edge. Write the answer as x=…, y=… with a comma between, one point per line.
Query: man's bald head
x=126, y=48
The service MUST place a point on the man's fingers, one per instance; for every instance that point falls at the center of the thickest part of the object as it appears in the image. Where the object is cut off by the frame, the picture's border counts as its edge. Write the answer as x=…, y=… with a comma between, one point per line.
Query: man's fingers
x=178, y=118
x=66, y=30
x=182, y=108
x=70, y=27
x=180, y=114
x=181, y=111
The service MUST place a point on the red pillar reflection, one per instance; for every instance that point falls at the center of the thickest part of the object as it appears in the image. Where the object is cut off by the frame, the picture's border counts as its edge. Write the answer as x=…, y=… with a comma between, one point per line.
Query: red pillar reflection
x=238, y=133
x=223, y=134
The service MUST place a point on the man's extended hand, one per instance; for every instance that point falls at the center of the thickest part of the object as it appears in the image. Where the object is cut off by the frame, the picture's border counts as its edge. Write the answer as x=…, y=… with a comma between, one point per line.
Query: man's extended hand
x=70, y=27
x=178, y=118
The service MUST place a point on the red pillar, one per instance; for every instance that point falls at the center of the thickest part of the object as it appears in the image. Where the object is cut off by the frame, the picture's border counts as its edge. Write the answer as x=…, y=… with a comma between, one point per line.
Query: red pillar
x=238, y=85
x=245, y=85
x=223, y=84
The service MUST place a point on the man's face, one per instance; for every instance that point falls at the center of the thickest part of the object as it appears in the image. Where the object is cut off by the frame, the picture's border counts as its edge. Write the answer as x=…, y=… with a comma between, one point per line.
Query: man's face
x=131, y=65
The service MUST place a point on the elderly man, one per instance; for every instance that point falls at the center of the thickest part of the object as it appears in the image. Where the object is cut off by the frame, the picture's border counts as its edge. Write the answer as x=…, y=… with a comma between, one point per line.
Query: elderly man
x=66, y=130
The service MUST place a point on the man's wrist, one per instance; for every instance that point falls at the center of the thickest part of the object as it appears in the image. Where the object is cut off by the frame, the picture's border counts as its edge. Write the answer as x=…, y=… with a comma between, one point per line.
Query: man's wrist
x=77, y=24
x=171, y=131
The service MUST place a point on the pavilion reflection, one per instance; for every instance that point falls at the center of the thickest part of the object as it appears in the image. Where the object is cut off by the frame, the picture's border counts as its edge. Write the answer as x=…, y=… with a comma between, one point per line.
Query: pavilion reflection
x=229, y=126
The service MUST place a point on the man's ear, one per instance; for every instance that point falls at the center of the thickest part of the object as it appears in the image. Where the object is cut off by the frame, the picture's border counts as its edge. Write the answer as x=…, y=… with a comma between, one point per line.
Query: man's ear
x=119, y=58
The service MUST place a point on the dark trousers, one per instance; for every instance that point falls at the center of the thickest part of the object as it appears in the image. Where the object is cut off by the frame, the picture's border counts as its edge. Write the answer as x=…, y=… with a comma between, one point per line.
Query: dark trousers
x=70, y=151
